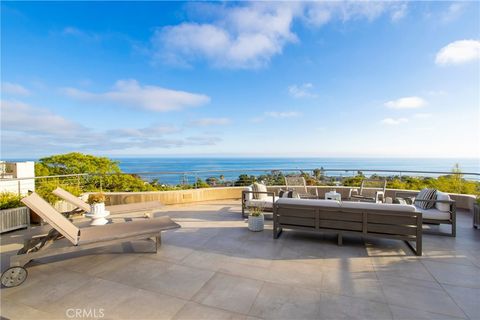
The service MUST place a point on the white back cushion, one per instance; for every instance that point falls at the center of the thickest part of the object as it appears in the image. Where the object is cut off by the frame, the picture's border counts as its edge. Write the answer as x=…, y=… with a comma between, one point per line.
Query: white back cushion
x=248, y=195
x=442, y=206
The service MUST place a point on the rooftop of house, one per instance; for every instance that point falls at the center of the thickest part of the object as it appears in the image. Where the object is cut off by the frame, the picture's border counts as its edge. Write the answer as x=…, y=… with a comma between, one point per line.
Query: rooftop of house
x=214, y=267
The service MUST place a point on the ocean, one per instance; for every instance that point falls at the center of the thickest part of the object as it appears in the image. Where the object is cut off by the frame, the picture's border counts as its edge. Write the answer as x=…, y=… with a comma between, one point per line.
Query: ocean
x=233, y=167
x=172, y=169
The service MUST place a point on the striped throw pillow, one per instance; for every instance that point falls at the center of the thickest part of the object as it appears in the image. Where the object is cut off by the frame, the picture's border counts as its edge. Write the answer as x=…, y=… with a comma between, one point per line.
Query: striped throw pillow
x=426, y=194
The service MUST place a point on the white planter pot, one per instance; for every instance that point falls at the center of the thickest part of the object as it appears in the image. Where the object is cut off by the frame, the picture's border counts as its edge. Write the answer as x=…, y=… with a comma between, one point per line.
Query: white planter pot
x=97, y=209
x=256, y=223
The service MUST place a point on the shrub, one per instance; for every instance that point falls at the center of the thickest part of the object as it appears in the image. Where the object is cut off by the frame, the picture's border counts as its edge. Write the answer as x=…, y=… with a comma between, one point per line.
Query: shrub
x=9, y=200
x=96, y=198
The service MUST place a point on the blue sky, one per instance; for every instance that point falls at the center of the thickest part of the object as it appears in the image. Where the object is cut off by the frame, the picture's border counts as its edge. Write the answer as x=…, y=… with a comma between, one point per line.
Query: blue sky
x=393, y=79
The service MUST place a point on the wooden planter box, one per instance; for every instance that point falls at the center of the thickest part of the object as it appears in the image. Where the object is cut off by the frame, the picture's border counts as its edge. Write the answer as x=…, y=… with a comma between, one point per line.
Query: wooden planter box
x=13, y=219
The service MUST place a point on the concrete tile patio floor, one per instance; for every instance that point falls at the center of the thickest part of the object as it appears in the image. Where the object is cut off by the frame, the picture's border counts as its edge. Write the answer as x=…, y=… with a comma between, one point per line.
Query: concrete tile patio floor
x=214, y=268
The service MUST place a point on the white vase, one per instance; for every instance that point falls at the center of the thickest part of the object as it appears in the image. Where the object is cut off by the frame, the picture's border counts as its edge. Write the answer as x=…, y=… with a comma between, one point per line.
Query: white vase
x=97, y=209
x=256, y=223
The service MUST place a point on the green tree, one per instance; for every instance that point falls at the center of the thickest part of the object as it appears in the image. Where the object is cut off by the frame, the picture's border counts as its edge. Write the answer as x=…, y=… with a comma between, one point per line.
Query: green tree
x=76, y=162
x=103, y=174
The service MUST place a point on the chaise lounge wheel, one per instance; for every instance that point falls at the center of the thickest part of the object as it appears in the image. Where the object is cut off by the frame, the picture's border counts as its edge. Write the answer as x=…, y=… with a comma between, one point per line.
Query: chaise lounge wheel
x=14, y=276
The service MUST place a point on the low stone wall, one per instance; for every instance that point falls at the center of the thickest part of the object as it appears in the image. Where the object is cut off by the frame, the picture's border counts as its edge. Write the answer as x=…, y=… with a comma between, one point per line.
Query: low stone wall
x=208, y=194
x=175, y=196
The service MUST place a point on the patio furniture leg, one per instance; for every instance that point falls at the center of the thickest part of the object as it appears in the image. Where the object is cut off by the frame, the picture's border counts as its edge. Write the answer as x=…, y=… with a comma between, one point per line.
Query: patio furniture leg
x=158, y=242
x=340, y=239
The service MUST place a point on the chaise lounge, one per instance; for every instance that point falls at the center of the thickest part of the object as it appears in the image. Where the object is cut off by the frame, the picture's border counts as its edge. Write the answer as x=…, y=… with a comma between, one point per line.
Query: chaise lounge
x=77, y=239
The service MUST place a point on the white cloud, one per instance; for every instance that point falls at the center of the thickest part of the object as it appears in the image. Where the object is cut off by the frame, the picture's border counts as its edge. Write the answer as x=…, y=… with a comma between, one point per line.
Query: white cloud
x=301, y=91
x=21, y=116
x=284, y=114
x=153, y=98
x=277, y=115
x=246, y=36
x=14, y=89
x=400, y=12
x=436, y=92
x=76, y=32
x=454, y=11
x=30, y=131
x=206, y=122
x=458, y=52
x=250, y=34
x=406, y=103
x=422, y=115
x=394, y=121
x=318, y=13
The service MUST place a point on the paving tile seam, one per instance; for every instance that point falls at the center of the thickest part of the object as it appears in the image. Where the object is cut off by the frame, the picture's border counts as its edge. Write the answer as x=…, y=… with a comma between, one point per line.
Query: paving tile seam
x=423, y=310
x=455, y=301
x=381, y=288
x=25, y=305
x=145, y=289
x=211, y=307
x=446, y=292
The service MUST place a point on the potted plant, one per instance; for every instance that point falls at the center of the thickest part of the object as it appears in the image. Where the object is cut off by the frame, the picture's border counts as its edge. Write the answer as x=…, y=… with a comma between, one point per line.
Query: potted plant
x=97, y=203
x=256, y=219
x=476, y=213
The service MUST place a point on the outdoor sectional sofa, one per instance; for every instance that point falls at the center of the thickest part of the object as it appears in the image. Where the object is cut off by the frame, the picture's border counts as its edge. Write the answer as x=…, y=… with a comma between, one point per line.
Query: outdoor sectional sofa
x=393, y=221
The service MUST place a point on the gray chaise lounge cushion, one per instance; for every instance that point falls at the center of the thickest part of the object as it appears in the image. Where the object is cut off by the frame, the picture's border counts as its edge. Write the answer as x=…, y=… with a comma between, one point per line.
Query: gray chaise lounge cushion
x=124, y=230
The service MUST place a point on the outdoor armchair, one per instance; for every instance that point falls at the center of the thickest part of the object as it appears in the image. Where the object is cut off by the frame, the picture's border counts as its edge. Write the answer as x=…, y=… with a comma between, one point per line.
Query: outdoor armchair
x=369, y=193
x=443, y=211
x=299, y=185
x=261, y=199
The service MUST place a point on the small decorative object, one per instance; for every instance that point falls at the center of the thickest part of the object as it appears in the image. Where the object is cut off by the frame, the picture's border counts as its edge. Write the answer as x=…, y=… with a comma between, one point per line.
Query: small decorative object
x=97, y=209
x=256, y=219
x=97, y=203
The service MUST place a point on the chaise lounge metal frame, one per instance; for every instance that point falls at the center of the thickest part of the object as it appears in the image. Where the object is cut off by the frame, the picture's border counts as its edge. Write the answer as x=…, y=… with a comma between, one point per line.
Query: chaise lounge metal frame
x=79, y=239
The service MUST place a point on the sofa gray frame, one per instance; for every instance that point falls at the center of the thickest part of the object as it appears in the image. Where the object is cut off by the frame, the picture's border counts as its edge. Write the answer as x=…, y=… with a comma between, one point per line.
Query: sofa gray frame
x=453, y=214
x=244, y=199
x=390, y=224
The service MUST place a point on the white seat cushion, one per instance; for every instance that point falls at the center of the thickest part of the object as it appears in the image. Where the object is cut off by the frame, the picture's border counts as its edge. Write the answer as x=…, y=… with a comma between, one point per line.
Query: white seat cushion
x=378, y=206
x=310, y=202
x=434, y=214
x=263, y=203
